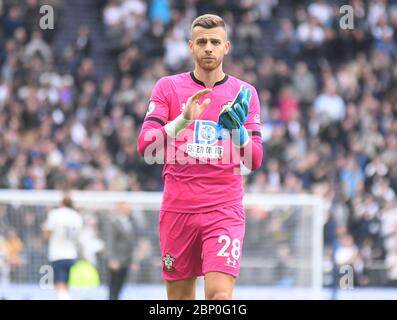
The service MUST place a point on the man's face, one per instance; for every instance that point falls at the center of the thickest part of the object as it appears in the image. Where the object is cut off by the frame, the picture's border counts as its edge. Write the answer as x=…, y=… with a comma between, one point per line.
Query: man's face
x=209, y=46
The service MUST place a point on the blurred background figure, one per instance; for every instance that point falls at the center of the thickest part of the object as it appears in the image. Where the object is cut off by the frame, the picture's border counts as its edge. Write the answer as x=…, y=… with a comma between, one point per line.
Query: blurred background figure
x=10, y=256
x=4, y=268
x=62, y=228
x=81, y=90
x=13, y=248
x=91, y=243
x=391, y=257
x=122, y=237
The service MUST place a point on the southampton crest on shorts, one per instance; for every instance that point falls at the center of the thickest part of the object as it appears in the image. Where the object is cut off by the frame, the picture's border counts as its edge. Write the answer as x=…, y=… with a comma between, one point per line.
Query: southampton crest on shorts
x=168, y=263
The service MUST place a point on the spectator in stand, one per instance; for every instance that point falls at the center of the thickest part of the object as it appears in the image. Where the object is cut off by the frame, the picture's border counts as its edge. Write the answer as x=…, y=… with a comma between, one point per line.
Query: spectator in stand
x=58, y=112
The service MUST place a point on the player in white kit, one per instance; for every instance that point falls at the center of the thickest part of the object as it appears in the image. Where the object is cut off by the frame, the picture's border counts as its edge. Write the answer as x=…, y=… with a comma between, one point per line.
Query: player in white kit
x=62, y=229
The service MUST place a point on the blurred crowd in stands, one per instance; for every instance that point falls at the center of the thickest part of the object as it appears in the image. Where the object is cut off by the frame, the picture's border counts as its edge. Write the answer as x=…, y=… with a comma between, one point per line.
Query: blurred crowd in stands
x=328, y=105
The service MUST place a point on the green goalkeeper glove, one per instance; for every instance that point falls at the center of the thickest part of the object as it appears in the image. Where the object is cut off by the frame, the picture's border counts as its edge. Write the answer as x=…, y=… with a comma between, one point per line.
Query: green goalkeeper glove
x=234, y=115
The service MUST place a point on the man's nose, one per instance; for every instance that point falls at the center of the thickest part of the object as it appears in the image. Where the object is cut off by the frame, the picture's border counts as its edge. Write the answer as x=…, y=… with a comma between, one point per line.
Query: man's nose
x=208, y=48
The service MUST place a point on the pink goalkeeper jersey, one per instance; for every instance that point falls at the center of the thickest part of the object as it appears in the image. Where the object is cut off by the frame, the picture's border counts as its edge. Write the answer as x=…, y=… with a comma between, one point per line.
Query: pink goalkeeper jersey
x=201, y=169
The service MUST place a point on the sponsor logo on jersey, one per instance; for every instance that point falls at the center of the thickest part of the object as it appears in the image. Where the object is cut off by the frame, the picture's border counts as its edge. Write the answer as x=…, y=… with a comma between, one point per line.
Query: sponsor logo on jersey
x=206, y=134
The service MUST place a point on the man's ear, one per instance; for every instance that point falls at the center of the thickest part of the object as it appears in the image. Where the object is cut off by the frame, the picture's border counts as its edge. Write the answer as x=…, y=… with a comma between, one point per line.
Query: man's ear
x=227, y=47
x=190, y=44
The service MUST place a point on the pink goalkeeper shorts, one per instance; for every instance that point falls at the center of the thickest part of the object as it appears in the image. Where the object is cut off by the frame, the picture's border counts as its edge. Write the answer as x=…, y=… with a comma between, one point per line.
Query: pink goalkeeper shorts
x=195, y=244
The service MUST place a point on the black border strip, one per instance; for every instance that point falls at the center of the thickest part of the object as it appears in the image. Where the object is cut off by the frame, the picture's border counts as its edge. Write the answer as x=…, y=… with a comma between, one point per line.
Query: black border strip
x=256, y=133
x=156, y=120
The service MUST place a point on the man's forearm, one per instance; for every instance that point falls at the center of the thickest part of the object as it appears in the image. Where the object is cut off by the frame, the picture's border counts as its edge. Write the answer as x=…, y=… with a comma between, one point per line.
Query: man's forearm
x=153, y=132
x=252, y=153
x=175, y=126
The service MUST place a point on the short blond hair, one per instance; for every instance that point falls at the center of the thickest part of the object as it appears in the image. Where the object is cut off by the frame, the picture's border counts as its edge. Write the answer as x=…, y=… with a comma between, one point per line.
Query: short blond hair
x=67, y=201
x=208, y=21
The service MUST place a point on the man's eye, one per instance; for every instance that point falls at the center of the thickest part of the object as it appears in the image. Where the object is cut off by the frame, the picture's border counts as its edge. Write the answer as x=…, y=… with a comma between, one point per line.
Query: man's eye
x=216, y=43
x=201, y=42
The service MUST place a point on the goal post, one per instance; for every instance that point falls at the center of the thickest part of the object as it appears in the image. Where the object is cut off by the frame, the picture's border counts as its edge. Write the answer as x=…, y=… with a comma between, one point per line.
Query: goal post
x=283, y=244
x=311, y=219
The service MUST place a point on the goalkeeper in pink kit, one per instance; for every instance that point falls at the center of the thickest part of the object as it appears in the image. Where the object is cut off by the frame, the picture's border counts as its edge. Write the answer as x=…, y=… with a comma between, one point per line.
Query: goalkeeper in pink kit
x=203, y=124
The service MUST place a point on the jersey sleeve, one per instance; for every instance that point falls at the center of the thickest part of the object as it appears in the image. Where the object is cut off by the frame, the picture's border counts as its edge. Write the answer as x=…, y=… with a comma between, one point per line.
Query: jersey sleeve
x=158, y=109
x=157, y=115
x=252, y=153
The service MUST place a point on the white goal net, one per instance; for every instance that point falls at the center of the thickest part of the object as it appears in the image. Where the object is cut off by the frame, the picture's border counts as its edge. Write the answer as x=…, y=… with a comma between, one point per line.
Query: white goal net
x=282, y=247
